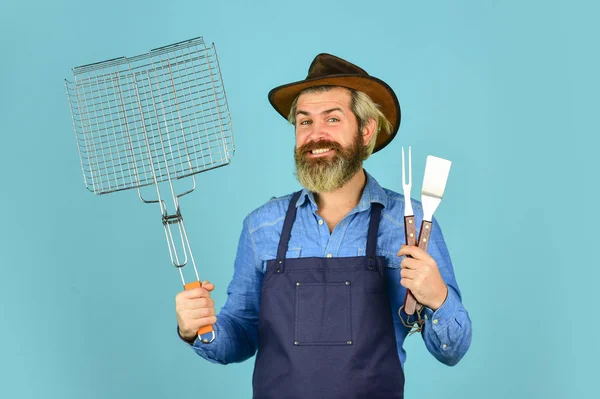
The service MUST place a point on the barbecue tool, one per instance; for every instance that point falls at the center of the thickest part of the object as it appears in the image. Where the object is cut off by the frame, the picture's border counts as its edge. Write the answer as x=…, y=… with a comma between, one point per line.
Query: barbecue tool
x=410, y=231
x=154, y=118
x=434, y=184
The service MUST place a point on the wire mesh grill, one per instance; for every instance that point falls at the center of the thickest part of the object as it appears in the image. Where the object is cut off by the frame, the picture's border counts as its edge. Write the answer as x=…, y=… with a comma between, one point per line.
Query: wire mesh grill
x=150, y=118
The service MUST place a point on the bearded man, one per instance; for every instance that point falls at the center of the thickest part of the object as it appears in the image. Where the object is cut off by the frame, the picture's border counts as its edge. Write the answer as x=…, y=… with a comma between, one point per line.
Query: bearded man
x=318, y=277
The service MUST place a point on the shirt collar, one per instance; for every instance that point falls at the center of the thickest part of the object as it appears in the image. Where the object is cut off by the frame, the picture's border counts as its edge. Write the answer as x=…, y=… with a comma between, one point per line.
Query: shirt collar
x=373, y=192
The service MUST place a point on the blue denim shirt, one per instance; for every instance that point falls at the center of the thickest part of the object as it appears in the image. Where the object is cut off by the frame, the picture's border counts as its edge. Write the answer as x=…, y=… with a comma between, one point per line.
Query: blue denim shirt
x=447, y=331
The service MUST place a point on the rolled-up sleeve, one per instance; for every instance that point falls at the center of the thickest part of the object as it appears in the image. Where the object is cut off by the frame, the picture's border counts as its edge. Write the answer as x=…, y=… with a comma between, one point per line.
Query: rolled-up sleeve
x=447, y=331
x=236, y=329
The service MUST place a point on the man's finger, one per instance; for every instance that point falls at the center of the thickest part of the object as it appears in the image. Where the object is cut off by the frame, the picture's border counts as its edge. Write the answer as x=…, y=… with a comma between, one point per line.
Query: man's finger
x=194, y=293
x=197, y=303
x=208, y=285
x=195, y=314
x=410, y=263
x=413, y=251
x=407, y=283
x=409, y=274
x=190, y=293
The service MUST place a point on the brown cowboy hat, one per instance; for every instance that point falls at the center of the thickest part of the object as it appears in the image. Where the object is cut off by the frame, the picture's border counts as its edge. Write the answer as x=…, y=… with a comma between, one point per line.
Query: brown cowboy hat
x=327, y=69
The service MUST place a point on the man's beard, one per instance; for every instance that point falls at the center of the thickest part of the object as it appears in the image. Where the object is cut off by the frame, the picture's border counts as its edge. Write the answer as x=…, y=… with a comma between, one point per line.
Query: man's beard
x=325, y=174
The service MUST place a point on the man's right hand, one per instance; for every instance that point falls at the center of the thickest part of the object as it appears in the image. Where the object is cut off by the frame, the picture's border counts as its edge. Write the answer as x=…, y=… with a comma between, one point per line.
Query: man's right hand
x=195, y=309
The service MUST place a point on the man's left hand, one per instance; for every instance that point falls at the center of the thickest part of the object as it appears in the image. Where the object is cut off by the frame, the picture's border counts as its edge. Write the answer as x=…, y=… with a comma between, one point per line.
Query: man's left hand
x=422, y=277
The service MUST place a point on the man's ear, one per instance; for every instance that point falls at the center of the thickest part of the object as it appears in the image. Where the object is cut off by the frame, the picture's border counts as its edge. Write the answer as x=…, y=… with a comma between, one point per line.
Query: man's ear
x=369, y=130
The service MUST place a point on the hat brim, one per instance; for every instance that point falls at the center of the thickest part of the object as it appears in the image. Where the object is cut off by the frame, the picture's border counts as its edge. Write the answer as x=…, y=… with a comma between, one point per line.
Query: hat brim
x=282, y=98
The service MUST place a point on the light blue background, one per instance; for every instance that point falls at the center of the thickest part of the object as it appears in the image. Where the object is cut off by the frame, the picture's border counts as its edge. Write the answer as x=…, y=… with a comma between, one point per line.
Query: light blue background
x=506, y=90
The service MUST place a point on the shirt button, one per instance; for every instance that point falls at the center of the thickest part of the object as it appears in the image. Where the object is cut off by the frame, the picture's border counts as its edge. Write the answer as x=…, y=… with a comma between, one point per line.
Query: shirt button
x=329, y=255
x=320, y=222
x=444, y=346
x=435, y=321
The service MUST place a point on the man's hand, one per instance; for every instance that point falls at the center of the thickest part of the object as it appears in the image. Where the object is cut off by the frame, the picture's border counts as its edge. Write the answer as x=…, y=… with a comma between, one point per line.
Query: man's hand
x=422, y=277
x=195, y=309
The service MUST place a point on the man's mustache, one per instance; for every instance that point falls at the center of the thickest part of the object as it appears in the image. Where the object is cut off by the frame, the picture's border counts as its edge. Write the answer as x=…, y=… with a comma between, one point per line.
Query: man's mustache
x=315, y=145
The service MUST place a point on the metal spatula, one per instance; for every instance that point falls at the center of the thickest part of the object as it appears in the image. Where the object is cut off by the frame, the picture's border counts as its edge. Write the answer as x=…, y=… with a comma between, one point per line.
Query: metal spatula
x=434, y=183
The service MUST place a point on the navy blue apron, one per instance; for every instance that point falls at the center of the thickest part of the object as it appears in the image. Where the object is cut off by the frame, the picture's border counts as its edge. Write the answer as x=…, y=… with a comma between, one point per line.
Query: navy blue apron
x=325, y=326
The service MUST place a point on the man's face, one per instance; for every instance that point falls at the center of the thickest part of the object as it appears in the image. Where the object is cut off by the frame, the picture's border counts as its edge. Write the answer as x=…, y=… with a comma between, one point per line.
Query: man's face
x=329, y=148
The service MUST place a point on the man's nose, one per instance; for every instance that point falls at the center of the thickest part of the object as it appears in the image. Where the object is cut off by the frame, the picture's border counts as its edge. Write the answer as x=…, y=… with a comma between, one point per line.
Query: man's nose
x=318, y=131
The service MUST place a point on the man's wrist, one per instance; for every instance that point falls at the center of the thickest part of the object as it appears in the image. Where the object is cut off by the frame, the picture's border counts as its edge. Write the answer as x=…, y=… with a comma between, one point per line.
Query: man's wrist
x=439, y=304
x=189, y=340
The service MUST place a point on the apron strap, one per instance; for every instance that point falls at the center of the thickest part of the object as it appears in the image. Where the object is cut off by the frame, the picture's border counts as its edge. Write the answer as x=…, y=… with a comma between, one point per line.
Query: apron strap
x=286, y=232
x=372, y=234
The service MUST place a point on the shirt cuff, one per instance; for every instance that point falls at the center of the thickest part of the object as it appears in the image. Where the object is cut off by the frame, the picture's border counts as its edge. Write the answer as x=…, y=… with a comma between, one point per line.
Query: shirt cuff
x=444, y=313
x=207, y=351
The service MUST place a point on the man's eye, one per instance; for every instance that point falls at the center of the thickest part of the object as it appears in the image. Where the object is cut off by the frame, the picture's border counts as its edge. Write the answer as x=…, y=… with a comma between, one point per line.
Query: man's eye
x=332, y=119
x=305, y=122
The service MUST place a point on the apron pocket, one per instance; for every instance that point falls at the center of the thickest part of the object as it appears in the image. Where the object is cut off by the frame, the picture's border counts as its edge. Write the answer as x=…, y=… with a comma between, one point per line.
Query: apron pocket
x=323, y=314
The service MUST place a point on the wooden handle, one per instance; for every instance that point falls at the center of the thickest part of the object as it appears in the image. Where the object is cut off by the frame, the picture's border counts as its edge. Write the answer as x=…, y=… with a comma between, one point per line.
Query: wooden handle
x=410, y=230
x=410, y=233
x=424, y=235
x=410, y=302
x=205, y=329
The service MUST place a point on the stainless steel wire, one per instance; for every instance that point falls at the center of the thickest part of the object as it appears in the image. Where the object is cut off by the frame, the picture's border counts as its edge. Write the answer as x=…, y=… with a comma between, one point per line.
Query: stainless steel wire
x=150, y=118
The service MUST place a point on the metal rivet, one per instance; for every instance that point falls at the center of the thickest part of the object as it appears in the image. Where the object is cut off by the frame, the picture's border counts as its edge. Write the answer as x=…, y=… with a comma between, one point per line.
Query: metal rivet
x=297, y=283
x=296, y=342
x=278, y=270
x=412, y=235
x=424, y=239
x=410, y=221
x=347, y=282
x=349, y=342
x=426, y=226
x=280, y=262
